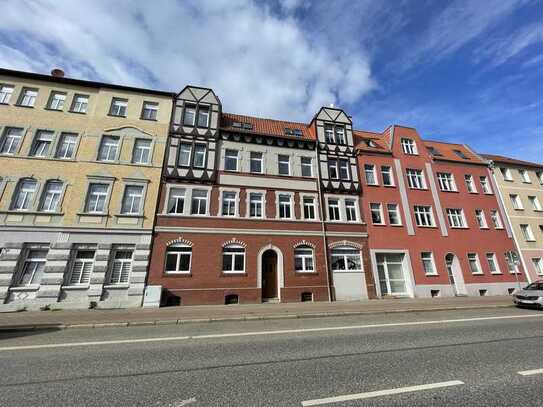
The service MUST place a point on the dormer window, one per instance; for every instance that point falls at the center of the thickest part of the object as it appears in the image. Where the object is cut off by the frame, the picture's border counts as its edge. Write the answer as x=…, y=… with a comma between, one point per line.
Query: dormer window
x=189, y=116
x=370, y=143
x=203, y=116
x=434, y=151
x=461, y=154
x=409, y=146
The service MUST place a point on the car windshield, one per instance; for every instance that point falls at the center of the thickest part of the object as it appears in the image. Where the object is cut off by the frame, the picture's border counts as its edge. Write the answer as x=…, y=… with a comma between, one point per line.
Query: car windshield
x=535, y=286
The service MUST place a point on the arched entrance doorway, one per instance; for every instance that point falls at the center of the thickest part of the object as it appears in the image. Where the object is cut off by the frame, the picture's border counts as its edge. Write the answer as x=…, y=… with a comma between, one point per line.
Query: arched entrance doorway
x=454, y=272
x=269, y=276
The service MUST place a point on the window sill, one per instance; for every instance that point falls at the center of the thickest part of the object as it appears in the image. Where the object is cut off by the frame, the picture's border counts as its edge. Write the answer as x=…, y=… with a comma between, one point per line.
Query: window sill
x=176, y=274
x=74, y=287
x=5, y=104
x=117, y=286
x=480, y=273
x=100, y=214
x=305, y=273
x=459, y=227
x=28, y=107
x=427, y=227
x=396, y=225
x=33, y=287
x=379, y=224
x=14, y=212
x=129, y=215
x=389, y=186
x=52, y=110
x=453, y=191
x=73, y=111
x=496, y=273
x=233, y=274
x=372, y=185
x=432, y=275
x=117, y=115
x=149, y=120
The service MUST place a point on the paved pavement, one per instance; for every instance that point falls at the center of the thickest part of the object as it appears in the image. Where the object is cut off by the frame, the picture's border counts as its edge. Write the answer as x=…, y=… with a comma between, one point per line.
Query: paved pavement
x=184, y=314
x=441, y=358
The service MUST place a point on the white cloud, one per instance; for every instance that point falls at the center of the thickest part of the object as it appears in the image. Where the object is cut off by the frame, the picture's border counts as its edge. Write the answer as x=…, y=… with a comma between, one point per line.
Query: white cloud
x=257, y=62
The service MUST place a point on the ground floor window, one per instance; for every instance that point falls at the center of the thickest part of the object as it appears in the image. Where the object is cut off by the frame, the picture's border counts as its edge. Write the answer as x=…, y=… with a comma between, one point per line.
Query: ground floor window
x=121, y=266
x=233, y=259
x=303, y=259
x=346, y=258
x=391, y=275
x=178, y=259
x=33, y=266
x=81, y=267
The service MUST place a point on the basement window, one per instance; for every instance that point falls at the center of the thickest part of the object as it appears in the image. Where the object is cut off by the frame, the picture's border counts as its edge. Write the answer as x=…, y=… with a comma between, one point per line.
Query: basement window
x=231, y=299
x=307, y=297
x=483, y=293
x=435, y=293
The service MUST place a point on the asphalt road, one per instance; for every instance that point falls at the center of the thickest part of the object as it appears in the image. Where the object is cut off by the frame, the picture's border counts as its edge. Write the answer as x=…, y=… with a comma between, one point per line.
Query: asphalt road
x=446, y=358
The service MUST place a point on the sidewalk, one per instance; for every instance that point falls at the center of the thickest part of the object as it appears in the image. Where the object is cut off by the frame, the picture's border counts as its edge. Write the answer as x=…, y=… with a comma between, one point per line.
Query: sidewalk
x=209, y=313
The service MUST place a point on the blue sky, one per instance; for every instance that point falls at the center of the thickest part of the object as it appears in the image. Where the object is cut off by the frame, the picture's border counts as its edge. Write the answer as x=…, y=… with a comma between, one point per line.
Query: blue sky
x=460, y=71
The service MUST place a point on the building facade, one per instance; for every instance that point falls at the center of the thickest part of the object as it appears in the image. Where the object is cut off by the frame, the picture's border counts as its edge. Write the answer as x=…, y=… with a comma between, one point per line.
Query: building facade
x=520, y=185
x=435, y=224
x=79, y=179
x=255, y=210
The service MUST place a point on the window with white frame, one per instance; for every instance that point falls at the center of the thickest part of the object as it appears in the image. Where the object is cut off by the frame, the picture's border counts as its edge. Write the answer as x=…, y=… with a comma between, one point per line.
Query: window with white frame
x=344, y=169
x=428, y=263
x=376, y=213
x=118, y=107
x=394, y=214
x=203, y=116
x=185, y=150
x=309, y=207
x=307, y=167
x=415, y=179
x=350, y=210
x=42, y=143
x=481, y=219
x=539, y=175
x=329, y=134
x=233, y=259
x=470, y=183
x=524, y=176
x=231, y=160
x=256, y=205
x=534, y=201
x=485, y=186
x=189, y=115
x=66, y=146
x=340, y=134
x=333, y=171
x=538, y=265
x=506, y=174
x=256, y=162
x=456, y=218
x=32, y=267
x=409, y=146
x=346, y=258
x=109, y=148
x=5, y=93
x=121, y=266
x=386, y=174
x=496, y=219
x=149, y=111
x=132, y=200
x=80, y=104
x=527, y=232
x=285, y=206
x=198, y=202
x=228, y=203
x=493, y=263
x=81, y=268
x=11, y=140
x=423, y=215
x=333, y=209
x=516, y=202
x=50, y=199
x=511, y=267
x=371, y=176
x=176, y=200
x=284, y=164
x=178, y=259
x=199, y=159
x=57, y=100
x=24, y=195
x=303, y=259
x=96, y=198
x=28, y=97
x=474, y=265
x=142, y=151
x=446, y=181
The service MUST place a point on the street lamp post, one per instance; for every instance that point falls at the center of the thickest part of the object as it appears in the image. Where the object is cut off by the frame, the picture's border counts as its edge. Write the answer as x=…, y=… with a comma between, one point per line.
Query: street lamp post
x=513, y=259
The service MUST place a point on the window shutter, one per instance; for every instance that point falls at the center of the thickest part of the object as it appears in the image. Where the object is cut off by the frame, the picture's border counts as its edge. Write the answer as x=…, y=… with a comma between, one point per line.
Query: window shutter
x=86, y=273
x=116, y=272
x=125, y=272
x=76, y=273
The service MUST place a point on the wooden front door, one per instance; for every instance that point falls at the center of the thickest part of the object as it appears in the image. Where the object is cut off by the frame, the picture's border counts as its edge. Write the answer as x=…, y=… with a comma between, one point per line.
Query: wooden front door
x=269, y=275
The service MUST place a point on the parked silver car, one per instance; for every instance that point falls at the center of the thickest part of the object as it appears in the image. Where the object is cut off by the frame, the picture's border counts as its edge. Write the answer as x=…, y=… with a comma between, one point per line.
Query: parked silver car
x=530, y=296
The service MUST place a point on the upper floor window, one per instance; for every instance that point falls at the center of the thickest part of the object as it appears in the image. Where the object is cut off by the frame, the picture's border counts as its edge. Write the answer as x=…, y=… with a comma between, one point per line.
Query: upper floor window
x=80, y=104
x=231, y=160
x=51, y=196
x=506, y=173
x=376, y=214
x=481, y=219
x=386, y=174
x=470, y=184
x=11, y=140
x=33, y=266
x=118, y=107
x=149, y=111
x=350, y=210
x=307, y=167
x=409, y=146
x=57, y=100
x=233, y=259
x=176, y=200
x=415, y=179
x=199, y=160
x=446, y=181
x=228, y=203
x=96, y=198
x=338, y=168
x=456, y=218
x=285, y=206
x=309, y=207
x=5, y=93
x=424, y=215
x=492, y=263
x=66, y=146
x=485, y=185
x=42, y=144
x=109, y=148
x=371, y=177
x=185, y=150
x=199, y=202
x=333, y=209
x=536, y=205
x=524, y=176
x=142, y=151
x=538, y=265
x=527, y=232
x=189, y=115
x=28, y=97
x=256, y=205
x=496, y=220
x=121, y=266
x=393, y=214
x=303, y=259
x=24, y=195
x=178, y=259
x=516, y=202
x=329, y=134
x=539, y=175
x=256, y=162
x=283, y=164
x=132, y=200
x=334, y=134
x=203, y=116
x=340, y=134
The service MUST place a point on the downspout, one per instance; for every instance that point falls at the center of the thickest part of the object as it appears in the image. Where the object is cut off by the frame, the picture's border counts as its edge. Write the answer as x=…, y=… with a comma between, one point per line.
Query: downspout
x=323, y=225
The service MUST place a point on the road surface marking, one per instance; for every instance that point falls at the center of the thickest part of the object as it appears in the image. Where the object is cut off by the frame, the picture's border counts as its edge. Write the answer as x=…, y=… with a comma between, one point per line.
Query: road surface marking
x=371, y=394
x=186, y=402
x=530, y=372
x=261, y=333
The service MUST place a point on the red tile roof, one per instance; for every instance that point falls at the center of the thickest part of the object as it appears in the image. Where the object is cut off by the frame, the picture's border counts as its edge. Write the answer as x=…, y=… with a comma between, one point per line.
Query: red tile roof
x=512, y=161
x=265, y=126
x=447, y=151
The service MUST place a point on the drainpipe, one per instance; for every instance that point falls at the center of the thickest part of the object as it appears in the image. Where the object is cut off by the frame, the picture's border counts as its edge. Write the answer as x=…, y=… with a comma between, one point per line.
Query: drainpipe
x=323, y=225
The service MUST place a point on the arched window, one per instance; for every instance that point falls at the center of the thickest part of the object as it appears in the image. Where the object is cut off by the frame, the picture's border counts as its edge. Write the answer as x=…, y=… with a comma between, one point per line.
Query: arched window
x=233, y=259
x=50, y=198
x=178, y=259
x=24, y=195
x=303, y=259
x=346, y=258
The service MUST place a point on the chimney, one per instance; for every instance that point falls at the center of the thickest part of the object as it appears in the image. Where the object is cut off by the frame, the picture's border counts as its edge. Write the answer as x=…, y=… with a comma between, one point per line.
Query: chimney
x=57, y=73
x=332, y=105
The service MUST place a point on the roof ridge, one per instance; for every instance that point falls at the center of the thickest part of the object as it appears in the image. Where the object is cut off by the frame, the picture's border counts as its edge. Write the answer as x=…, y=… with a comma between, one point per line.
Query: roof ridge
x=267, y=118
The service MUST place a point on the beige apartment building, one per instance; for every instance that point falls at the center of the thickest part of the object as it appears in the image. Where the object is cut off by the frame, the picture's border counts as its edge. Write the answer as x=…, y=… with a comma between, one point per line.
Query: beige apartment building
x=80, y=167
x=520, y=185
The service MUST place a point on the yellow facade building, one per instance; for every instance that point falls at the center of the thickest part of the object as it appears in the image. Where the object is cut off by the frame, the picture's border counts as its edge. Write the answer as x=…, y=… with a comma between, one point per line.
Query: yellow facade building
x=80, y=167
